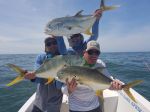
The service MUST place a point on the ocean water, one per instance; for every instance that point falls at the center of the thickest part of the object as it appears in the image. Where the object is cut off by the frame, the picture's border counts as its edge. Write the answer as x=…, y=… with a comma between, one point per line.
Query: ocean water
x=124, y=66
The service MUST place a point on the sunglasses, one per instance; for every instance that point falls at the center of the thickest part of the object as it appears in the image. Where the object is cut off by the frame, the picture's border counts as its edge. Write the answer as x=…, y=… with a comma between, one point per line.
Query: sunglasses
x=75, y=35
x=91, y=52
x=51, y=43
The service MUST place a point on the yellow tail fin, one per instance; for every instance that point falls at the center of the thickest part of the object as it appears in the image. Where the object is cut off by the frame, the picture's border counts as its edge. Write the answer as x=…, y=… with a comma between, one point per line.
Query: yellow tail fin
x=107, y=8
x=20, y=77
x=16, y=80
x=127, y=87
x=103, y=7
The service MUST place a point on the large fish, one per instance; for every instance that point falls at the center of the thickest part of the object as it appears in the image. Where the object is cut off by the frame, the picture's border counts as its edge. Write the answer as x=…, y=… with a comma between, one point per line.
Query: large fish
x=49, y=68
x=70, y=25
x=92, y=78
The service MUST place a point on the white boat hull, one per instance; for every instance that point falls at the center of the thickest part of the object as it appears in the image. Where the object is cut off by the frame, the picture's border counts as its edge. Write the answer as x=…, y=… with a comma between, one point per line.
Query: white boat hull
x=114, y=101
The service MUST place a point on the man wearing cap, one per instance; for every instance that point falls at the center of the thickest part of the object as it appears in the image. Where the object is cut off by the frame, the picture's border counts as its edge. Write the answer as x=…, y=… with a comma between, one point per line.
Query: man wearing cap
x=48, y=97
x=76, y=41
x=82, y=98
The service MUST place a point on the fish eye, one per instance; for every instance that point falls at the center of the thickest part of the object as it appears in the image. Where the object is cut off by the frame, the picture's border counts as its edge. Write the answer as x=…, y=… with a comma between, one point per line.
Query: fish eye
x=65, y=65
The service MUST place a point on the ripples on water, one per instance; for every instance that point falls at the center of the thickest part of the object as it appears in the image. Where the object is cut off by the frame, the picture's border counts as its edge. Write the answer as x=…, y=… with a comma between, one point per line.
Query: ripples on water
x=124, y=66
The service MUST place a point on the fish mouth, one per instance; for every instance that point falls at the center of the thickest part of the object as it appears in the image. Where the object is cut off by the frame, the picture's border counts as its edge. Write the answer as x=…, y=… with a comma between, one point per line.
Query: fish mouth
x=47, y=31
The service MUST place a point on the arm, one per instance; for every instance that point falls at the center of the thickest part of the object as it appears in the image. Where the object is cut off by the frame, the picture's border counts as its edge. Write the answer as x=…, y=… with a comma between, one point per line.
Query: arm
x=94, y=31
x=61, y=45
x=30, y=75
x=115, y=84
x=97, y=14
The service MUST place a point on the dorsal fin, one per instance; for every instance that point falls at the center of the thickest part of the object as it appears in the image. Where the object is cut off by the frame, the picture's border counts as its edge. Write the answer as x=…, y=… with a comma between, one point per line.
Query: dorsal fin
x=79, y=13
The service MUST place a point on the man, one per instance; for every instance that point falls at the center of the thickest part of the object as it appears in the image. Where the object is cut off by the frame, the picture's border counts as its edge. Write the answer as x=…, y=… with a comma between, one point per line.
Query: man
x=82, y=98
x=76, y=41
x=48, y=97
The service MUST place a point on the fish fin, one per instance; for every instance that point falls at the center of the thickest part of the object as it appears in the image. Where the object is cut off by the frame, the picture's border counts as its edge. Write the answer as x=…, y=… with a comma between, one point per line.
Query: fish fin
x=18, y=70
x=72, y=26
x=103, y=7
x=79, y=13
x=16, y=80
x=100, y=94
x=49, y=80
x=127, y=87
x=127, y=91
x=88, y=32
x=107, y=8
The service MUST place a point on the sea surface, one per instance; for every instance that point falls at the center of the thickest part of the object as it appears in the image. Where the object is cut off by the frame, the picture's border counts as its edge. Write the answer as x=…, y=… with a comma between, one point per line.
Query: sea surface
x=126, y=66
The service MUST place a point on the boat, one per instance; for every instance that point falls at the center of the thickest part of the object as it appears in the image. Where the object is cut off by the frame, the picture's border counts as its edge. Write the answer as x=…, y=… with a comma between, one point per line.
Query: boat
x=117, y=101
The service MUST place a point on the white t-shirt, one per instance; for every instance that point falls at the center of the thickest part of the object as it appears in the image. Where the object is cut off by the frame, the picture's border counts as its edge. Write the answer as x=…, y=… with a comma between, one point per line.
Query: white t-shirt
x=84, y=98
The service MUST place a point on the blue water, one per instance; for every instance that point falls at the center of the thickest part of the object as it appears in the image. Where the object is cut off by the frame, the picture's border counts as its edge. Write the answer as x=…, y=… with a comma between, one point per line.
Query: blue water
x=124, y=66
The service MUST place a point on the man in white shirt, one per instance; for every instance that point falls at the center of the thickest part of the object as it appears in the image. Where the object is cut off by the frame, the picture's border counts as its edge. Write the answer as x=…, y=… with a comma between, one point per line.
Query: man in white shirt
x=82, y=98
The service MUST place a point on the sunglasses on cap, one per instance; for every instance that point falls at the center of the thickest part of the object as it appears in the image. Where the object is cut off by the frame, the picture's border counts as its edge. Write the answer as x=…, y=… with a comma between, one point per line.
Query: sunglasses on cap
x=91, y=52
x=51, y=43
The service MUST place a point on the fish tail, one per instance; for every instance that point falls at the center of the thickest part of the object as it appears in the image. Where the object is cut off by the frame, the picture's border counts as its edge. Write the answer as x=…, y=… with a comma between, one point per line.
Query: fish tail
x=127, y=87
x=106, y=8
x=18, y=78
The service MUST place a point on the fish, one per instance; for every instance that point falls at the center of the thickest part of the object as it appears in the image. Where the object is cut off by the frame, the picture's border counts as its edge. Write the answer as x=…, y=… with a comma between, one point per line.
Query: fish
x=67, y=26
x=92, y=78
x=48, y=69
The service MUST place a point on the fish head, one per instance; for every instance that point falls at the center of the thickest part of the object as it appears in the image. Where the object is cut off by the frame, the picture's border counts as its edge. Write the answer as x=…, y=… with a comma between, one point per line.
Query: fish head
x=66, y=73
x=51, y=27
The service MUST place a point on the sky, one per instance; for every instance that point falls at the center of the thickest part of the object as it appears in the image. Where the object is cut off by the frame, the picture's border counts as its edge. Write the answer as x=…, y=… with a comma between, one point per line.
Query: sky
x=22, y=23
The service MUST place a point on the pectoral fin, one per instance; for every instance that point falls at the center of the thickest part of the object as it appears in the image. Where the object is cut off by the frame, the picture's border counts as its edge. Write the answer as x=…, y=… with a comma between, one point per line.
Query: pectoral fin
x=88, y=32
x=100, y=94
x=49, y=80
x=72, y=26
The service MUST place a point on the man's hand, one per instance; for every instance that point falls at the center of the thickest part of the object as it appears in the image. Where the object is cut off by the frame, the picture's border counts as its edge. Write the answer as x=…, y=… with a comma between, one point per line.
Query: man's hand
x=98, y=13
x=116, y=85
x=71, y=85
x=30, y=75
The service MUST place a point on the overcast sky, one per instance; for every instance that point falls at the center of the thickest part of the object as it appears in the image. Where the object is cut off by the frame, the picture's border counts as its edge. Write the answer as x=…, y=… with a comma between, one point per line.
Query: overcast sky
x=22, y=24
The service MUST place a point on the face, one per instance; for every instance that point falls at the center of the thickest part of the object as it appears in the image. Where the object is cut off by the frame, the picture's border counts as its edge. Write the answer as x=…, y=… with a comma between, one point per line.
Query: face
x=51, y=46
x=91, y=56
x=75, y=40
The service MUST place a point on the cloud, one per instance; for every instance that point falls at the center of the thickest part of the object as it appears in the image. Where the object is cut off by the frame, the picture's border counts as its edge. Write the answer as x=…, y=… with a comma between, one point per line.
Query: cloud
x=22, y=25
x=135, y=40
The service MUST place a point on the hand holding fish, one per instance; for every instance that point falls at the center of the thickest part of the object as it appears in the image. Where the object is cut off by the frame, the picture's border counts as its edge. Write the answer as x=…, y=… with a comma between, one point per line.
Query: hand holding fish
x=29, y=75
x=71, y=85
x=98, y=13
x=116, y=85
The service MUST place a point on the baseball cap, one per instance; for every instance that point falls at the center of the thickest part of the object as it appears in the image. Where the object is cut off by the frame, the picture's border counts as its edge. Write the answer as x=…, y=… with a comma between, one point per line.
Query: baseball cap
x=93, y=45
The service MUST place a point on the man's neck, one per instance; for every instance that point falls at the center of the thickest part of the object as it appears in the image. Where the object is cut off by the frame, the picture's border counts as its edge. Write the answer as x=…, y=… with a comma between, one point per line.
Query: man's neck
x=87, y=64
